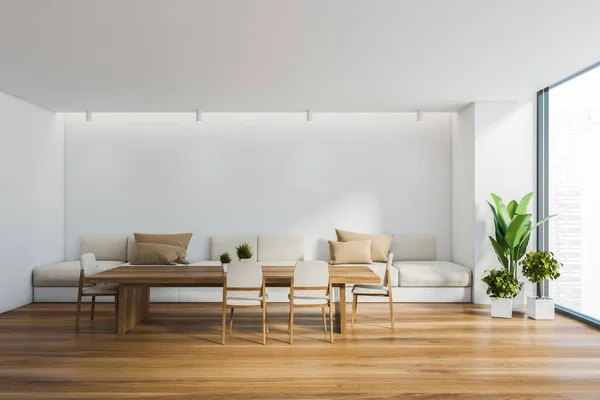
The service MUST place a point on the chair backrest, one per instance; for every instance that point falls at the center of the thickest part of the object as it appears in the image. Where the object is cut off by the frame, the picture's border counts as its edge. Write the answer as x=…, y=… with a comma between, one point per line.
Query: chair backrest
x=387, y=269
x=244, y=274
x=311, y=274
x=88, y=264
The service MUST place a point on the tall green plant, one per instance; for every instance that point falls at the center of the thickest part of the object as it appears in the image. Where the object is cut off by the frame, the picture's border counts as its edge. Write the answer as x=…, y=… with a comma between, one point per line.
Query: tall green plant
x=513, y=227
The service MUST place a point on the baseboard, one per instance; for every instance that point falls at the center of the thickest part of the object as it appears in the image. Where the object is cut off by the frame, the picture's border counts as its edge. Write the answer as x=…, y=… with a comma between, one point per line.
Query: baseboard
x=276, y=295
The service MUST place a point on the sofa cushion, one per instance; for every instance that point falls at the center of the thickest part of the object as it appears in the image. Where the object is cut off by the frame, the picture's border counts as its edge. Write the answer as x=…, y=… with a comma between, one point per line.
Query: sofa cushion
x=380, y=244
x=274, y=248
x=432, y=274
x=181, y=240
x=358, y=252
x=379, y=269
x=413, y=248
x=157, y=254
x=131, y=249
x=222, y=244
x=65, y=274
x=105, y=248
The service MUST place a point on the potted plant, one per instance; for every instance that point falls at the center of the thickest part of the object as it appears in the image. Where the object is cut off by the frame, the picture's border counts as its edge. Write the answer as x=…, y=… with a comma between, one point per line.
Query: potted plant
x=225, y=260
x=244, y=251
x=502, y=288
x=513, y=227
x=538, y=266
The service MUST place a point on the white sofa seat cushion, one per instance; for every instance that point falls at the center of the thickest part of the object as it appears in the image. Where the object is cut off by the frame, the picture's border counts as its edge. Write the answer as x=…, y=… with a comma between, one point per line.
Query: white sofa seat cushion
x=369, y=289
x=65, y=274
x=278, y=263
x=432, y=274
x=379, y=269
x=157, y=266
x=308, y=300
x=205, y=264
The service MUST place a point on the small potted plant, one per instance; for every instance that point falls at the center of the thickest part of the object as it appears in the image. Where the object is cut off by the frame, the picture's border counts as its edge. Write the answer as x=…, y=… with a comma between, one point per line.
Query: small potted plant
x=244, y=251
x=502, y=288
x=538, y=266
x=225, y=260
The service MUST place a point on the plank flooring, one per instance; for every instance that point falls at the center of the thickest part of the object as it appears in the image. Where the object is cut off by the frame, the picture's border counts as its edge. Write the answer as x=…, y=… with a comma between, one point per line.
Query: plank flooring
x=438, y=351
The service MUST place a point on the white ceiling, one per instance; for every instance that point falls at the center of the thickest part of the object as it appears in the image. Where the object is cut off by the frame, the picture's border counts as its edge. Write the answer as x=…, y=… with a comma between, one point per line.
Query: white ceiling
x=290, y=55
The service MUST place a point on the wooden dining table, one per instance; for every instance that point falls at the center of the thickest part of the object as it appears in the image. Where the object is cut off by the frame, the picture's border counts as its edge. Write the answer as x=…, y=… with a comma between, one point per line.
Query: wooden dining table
x=135, y=282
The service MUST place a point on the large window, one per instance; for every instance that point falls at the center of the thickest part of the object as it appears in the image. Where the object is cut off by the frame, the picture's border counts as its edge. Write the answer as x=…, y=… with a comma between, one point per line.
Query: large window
x=571, y=128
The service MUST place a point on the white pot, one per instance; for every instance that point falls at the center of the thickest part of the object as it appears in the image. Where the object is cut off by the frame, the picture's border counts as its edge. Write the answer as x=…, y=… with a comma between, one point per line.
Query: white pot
x=245, y=259
x=538, y=308
x=518, y=303
x=225, y=267
x=501, y=308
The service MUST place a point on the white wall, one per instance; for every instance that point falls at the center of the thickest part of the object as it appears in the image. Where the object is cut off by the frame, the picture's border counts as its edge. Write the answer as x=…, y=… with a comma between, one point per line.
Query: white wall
x=463, y=187
x=504, y=165
x=32, y=200
x=258, y=174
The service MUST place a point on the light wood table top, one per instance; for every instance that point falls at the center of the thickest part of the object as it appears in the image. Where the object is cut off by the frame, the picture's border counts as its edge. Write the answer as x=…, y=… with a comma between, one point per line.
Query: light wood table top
x=198, y=275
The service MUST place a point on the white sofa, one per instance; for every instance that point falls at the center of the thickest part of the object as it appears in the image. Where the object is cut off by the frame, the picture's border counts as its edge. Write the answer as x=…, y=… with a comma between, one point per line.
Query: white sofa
x=416, y=275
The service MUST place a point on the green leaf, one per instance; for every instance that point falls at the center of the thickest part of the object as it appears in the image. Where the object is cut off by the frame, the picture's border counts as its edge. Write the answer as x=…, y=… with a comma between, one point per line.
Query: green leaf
x=512, y=207
x=503, y=215
x=517, y=229
x=500, y=252
x=524, y=203
x=523, y=246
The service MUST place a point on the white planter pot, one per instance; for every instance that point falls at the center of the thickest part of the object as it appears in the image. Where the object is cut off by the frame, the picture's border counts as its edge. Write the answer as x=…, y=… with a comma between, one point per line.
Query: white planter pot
x=245, y=259
x=501, y=308
x=518, y=303
x=225, y=267
x=538, y=308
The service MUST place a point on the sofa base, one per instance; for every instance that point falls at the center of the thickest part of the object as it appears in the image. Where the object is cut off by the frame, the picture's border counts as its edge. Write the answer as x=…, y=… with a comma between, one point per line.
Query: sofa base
x=276, y=295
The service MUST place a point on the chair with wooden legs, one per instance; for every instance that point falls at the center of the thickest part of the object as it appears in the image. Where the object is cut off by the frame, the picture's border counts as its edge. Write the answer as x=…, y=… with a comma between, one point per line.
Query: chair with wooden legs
x=384, y=290
x=89, y=266
x=311, y=287
x=244, y=287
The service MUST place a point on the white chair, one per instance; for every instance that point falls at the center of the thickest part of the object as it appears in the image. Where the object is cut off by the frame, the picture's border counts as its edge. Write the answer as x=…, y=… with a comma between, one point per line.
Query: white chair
x=89, y=267
x=311, y=287
x=376, y=290
x=244, y=287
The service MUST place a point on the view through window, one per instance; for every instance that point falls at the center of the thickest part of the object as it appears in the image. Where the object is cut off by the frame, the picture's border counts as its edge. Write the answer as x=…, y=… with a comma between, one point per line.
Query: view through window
x=574, y=191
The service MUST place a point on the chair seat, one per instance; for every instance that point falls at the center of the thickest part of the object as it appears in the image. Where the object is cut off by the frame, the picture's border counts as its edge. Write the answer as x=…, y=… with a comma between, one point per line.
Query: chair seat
x=309, y=300
x=369, y=289
x=245, y=300
x=102, y=290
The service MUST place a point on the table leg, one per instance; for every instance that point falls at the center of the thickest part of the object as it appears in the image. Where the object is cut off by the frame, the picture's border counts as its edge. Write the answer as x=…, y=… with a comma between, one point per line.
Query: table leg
x=339, y=319
x=134, y=304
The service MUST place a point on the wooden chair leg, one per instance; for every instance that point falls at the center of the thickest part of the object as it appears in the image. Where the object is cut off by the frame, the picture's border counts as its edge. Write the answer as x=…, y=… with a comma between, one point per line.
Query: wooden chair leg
x=291, y=327
x=264, y=324
x=331, y=323
x=224, y=322
x=93, y=307
x=392, y=312
x=267, y=318
x=231, y=321
x=78, y=310
x=324, y=319
x=354, y=304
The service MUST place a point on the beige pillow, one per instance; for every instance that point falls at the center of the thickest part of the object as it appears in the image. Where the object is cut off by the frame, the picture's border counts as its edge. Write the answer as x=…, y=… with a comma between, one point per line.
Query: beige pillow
x=156, y=254
x=181, y=240
x=380, y=244
x=358, y=252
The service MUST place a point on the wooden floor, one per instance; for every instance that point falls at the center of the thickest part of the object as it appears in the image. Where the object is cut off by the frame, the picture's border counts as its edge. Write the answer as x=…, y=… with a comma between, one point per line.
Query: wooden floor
x=438, y=351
